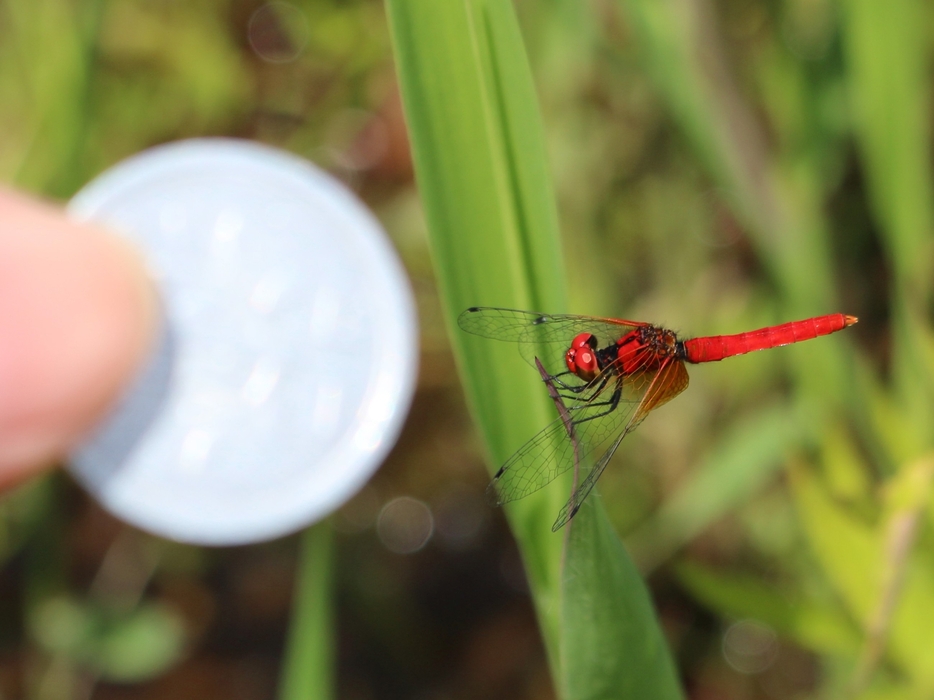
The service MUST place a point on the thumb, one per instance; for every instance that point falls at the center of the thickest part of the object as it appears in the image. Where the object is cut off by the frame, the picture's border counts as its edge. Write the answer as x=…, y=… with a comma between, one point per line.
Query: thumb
x=78, y=316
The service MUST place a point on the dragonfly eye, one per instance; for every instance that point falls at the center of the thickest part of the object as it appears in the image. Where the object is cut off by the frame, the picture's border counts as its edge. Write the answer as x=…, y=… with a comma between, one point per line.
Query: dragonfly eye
x=584, y=340
x=582, y=361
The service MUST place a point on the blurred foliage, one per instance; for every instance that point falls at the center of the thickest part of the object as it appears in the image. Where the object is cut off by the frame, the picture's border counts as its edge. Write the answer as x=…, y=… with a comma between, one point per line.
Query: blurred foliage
x=125, y=648
x=719, y=165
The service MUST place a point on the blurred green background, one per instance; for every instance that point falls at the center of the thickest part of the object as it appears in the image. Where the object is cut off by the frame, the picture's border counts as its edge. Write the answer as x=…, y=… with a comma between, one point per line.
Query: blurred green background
x=719, y=165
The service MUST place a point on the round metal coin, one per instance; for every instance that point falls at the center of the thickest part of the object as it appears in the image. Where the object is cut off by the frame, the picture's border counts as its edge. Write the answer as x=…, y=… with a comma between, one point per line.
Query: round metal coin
x=288, y=354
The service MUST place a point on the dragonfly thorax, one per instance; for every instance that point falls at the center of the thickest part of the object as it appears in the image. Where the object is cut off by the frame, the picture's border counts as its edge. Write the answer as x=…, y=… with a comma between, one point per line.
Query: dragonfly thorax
x=642, y=349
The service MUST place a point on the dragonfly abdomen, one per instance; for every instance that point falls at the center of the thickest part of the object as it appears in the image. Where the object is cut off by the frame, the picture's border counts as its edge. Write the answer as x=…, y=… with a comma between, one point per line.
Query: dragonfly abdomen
x=718, y=347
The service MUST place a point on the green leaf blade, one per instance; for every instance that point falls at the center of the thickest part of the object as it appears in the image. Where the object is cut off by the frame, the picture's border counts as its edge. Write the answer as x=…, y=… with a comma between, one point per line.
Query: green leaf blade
x=479, y=152
x=607, y=613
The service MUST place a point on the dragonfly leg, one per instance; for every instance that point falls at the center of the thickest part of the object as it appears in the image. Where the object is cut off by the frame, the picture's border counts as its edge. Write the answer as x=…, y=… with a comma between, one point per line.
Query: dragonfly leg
x=555, y=379
x=597, y=388
x=612, y=405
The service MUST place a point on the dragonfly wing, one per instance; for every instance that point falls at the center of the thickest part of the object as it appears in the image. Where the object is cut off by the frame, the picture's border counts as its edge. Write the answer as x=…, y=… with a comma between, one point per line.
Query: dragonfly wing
x=569, y=510
x=659, y=387
x=546, y=336
x=555, y=449
x=532, y=326
x=533, y=466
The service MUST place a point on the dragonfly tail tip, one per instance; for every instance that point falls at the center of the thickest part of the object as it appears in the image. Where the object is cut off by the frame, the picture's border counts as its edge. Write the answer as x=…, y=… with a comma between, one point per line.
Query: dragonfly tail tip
x=849, y=320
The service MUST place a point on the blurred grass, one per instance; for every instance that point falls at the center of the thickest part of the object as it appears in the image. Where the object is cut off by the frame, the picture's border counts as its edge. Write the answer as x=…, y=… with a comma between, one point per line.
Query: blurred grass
x=308, y=669
x=776, y=190
x=718, y=166
x=888, y=54
x=743, y=461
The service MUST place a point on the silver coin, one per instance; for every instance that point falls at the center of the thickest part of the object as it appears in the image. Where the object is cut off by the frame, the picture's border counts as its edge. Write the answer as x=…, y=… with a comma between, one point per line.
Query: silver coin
x=288, y=355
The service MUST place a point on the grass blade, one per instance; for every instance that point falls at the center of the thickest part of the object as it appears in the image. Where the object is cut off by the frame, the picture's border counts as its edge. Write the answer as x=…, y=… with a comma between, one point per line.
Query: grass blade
x=309, y=661
x=492, y=224
x=478, y=146
x=613, y=647
x=888, y=53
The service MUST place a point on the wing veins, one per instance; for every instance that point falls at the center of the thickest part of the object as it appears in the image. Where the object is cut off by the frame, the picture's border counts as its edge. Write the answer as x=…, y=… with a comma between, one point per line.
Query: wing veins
x=669, y=381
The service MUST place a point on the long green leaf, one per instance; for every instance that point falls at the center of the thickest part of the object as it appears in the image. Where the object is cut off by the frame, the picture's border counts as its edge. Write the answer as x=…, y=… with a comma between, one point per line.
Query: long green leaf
x=308, y=670
x=478, y=146
x=607, y=612
x=491, y=235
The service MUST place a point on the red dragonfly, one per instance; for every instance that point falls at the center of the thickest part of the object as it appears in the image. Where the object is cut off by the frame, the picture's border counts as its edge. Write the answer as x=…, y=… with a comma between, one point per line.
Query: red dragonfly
x=605, y=376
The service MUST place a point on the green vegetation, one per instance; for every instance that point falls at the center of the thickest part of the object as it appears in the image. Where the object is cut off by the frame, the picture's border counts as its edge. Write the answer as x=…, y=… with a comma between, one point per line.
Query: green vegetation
x=479, y=156
x=713, y=167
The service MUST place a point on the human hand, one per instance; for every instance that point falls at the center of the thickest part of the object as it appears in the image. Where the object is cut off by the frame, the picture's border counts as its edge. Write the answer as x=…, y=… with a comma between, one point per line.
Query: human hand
x=78, y=316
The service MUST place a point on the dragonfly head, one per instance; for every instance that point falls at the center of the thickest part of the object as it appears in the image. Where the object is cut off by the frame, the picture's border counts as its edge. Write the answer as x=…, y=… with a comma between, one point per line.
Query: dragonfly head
x=581, y=357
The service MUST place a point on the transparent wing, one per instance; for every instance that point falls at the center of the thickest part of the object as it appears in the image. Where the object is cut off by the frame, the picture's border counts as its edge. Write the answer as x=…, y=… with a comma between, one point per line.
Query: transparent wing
x=658, y=387
x=552, y=451
x=533, y=327
x=598, y=421
x=546, y=336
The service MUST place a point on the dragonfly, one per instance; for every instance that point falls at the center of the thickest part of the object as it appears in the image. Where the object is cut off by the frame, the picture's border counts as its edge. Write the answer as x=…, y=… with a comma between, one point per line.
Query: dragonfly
x=605, y=376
